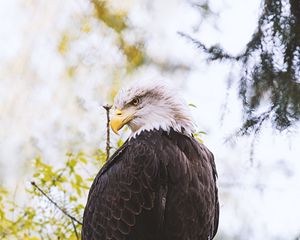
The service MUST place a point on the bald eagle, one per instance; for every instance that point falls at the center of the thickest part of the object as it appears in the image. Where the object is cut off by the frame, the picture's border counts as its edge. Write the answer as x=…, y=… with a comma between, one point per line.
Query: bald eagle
x=161, y=184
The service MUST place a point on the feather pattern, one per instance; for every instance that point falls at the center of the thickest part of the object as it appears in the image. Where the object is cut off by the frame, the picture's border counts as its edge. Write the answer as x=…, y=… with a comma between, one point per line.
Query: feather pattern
x=159, y=185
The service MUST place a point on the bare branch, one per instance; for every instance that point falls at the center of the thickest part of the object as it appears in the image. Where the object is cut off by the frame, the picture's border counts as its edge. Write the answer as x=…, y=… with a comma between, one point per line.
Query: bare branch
x=75, y=230
x=107, y=108
x=55, y=204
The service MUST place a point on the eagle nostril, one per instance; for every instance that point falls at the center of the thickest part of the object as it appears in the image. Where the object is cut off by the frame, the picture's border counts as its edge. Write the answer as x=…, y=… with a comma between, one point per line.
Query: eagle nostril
x=118, y=112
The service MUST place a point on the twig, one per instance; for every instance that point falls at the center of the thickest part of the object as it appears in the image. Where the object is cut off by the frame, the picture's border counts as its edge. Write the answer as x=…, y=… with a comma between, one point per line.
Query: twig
x=55, y=204
x=215, y=52
x=107, y=108
x=75, y=230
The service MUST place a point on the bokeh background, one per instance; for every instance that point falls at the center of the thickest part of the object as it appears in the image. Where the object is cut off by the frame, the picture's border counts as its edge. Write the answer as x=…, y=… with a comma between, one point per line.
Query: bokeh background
x=60, y=61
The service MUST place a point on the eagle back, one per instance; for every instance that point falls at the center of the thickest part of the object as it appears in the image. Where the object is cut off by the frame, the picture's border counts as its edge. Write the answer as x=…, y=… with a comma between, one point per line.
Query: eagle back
x=158, y=185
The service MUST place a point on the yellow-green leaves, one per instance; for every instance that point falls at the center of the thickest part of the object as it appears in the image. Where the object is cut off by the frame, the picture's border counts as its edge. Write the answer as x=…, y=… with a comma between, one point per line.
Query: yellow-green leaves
x=66, y=184
x=134, y=55
x=192, y=105
x=115, y=21
x=63, y=44
x=198, y=134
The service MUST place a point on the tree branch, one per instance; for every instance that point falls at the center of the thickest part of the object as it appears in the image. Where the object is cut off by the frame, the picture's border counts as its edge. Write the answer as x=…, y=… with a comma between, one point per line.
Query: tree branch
x=107, y=108
x=214, y=52
x=55, y=204
x=75, y=230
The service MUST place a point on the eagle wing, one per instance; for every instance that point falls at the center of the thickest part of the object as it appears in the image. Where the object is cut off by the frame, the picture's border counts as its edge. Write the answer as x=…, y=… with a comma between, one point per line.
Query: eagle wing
x=162, y=186
x=217, y=205
x=121, y=192
x=192, y=208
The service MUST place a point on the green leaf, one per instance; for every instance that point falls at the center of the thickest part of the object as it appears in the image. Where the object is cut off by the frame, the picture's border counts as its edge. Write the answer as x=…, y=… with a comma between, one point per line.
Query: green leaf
x=192, y=105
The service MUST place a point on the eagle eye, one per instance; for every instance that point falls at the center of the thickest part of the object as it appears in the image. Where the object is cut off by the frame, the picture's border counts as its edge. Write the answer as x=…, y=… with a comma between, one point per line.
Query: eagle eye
x=135, y=101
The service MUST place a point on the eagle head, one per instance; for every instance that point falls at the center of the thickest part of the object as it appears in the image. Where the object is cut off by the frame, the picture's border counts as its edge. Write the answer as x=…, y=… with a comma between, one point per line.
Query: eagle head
x=151, y=105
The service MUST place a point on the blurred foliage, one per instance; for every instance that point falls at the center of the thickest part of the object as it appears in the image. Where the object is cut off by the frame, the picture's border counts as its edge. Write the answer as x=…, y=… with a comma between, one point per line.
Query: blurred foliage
x=63, y=44
x=67, y=186
x=270, y=67
x=117, y=22
x=198, y=134
x=56, y=197
x=57, y=190
x=54, y=194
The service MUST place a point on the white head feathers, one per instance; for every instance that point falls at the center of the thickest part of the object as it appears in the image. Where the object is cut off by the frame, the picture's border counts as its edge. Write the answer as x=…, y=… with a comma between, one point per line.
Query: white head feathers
x=155, y=105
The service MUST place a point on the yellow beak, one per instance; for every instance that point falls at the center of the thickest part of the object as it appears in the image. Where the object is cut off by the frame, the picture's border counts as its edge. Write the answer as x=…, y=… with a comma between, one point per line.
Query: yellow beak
x=119, y=119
